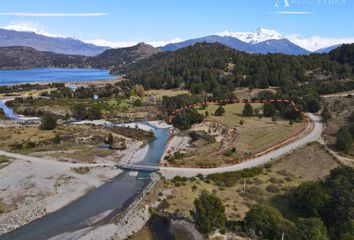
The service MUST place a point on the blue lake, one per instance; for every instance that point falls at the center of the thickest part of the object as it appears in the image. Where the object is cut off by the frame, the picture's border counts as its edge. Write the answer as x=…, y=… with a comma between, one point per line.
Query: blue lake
x=43, y=75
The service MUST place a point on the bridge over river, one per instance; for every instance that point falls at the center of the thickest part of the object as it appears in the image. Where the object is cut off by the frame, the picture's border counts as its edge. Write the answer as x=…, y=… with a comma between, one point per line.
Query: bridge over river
x=130, y=167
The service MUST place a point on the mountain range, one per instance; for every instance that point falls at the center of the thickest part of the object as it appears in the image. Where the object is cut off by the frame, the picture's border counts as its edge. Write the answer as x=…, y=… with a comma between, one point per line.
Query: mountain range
x=261, y=41
x=64, y=45
x=267, y=46
x=27, y=57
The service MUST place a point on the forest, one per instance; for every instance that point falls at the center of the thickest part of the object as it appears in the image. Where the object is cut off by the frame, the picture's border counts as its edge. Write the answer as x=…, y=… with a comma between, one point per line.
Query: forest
x=217, y=69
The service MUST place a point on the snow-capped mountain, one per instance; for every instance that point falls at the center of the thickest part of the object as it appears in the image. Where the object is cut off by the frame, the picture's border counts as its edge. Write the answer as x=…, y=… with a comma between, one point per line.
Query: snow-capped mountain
x=260, y=35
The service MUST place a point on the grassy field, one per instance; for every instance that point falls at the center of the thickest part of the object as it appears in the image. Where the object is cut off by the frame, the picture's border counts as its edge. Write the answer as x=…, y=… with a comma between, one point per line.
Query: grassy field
x=308, y=163
x=111, y=108
x=143, y=234
x=254, y=136
x=78, y=142
x=245, y=93
x=165, y=92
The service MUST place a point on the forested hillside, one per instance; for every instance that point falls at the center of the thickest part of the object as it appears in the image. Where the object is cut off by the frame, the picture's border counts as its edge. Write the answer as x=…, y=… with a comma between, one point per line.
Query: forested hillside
x=119, y=56
x=26, y=57
x=217, y=69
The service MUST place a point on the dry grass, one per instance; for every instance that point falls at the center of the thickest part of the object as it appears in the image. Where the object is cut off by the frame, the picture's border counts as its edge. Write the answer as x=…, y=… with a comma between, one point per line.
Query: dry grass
x=84, y=154
x=165, y=92
x=77, y=142
x=244, y=93
x=4, y=161
x=143, y=234
x=308, y=163
x=254, y=136
x=3, y=208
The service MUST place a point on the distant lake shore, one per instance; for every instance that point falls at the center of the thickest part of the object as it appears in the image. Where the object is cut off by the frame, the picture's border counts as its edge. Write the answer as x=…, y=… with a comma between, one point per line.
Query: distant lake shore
x=49, y=75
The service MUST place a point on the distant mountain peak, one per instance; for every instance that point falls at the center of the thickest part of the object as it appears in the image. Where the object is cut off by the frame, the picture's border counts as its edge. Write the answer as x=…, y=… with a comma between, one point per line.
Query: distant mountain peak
x=41, y=41
x=31, y=29
x=259, y=35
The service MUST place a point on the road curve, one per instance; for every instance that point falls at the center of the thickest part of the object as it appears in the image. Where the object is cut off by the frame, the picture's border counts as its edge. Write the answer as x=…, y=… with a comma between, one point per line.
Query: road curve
x=314, y=135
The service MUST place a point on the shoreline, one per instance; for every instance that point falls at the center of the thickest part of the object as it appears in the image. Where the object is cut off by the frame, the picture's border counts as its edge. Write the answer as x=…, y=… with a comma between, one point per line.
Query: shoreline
x=66, y=192
x=112, y=77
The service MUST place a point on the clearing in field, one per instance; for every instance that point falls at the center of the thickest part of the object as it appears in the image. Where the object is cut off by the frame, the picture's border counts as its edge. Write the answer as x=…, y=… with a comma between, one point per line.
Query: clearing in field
x=233, y=137
x=159, y=93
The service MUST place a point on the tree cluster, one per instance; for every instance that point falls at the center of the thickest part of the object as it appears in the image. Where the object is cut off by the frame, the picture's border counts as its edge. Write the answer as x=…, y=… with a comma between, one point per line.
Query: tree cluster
x=217, y=69
x=319, y=211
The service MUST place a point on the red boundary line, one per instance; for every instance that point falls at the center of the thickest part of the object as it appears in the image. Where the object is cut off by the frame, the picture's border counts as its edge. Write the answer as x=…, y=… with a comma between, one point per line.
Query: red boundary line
x=302, y=129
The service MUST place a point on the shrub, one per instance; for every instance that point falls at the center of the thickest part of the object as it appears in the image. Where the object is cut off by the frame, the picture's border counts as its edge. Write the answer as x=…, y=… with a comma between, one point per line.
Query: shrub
x=48, y=123
x=219, y=111
x=230, y=178
x=272, y=188
x=268, y=110
x=137, y=102
x=344, y=139
x=30, y=145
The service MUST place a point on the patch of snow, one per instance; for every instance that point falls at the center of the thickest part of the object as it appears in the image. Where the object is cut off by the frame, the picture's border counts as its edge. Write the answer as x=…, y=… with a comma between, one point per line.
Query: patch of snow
x=260, y=35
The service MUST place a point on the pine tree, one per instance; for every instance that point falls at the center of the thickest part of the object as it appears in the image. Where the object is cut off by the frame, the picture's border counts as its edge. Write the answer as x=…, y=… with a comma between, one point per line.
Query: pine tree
x=247, y=110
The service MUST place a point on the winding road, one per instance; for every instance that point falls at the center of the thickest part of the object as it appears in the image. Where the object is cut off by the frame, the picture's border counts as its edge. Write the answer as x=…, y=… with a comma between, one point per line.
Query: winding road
x=314, y=135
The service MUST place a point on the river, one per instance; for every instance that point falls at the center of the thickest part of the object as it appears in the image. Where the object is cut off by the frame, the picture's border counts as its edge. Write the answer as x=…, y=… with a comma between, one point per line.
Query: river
x=111, y=196
x=9, y=112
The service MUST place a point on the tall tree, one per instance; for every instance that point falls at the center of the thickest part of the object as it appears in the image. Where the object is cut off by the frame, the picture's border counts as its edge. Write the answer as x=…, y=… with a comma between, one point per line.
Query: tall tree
x=209, y=213
x=247, y=110
x=344, y=140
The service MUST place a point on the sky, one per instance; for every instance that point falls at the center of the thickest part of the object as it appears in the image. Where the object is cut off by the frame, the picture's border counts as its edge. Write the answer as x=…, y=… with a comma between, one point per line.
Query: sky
x=126, y=22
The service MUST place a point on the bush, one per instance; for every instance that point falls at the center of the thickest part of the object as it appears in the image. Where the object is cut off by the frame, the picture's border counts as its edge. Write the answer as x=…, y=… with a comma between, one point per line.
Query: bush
x=93, y=113
x=200, y=176
x=57, y=139
x=344, y=140
x=267, y=223
x=187, y=118
x=48, y=123
x=137, y=102
x=272, y=188
x=30, y=145
x=219, y=111
x=268, y=110
x=230, y=178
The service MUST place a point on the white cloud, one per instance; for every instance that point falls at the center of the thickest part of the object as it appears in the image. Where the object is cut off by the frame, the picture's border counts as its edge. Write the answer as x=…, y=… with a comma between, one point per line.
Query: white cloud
x=290, y=13
x=31, y=14
x=120, y=44
x=316, y=42
x=163, y=43
x=30, y=27
x=106, y=43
